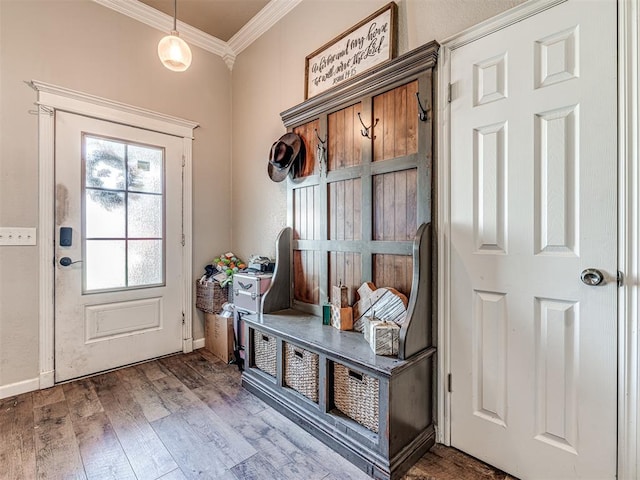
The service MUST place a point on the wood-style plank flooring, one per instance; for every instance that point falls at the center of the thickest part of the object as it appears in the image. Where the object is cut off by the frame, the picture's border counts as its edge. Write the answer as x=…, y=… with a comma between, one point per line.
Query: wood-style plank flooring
x=179, y=417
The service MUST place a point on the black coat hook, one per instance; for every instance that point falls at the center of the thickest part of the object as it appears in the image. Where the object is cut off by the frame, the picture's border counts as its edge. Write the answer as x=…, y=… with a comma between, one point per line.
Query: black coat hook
x=423, y=114
x=365, y=130
x=319, y=139
x=322, y=150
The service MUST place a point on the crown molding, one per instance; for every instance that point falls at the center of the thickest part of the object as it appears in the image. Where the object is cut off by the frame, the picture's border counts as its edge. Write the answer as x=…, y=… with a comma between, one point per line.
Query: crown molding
x=259, y=24
x=163, y=22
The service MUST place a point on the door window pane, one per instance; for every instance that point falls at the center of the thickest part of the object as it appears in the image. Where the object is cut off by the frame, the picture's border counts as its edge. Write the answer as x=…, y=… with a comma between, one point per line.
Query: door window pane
x=145, y=262
x=145, y=215
x=105, y=214
x=104, y=163
x=145, y=169
x=105, y=264
x=123, y=222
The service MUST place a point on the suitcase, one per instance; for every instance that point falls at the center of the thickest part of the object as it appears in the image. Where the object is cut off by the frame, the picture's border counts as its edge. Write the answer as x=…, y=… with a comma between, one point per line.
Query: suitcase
x=248, y=290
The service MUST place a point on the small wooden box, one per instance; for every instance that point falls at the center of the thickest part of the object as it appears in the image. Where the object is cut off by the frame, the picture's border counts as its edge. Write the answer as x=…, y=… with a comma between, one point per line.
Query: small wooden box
x=218, y=336
x=383, y=337
x=342, y=318
x=340, y=296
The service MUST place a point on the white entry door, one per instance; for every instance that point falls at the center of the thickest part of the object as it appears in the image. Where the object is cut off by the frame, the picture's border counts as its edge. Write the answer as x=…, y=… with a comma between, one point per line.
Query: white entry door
x=533, y=205
x=118, y=262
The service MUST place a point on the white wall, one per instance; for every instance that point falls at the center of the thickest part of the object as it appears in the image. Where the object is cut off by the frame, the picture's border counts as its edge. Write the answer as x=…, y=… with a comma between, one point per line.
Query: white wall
x=268, y=78
x=81, y=45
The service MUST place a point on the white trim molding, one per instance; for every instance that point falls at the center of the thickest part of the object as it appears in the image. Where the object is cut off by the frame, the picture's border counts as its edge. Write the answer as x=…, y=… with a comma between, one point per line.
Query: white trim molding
x=443, y=232
x=187, y=246
x=19, y=388
x=628, y=238
x=259, y=24
x=198, y=343
x=52, y=98
x=163, y=22
x=46, y=184
x=60, y=98
x=499, y=22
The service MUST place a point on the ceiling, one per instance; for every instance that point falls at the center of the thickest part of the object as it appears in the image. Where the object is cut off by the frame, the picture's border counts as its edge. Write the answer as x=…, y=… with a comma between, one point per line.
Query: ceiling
x=219, y=18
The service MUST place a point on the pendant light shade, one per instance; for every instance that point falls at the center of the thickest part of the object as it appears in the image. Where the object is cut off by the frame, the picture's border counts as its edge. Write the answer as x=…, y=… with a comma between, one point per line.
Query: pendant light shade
x=174, y=52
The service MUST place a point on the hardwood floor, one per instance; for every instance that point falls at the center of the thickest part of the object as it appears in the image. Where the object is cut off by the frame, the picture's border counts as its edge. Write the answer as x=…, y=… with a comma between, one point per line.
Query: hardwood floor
x=179, y=417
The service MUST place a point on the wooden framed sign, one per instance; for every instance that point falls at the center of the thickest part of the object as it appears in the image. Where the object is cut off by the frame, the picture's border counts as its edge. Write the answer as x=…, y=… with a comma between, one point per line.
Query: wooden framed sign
x=365, y=45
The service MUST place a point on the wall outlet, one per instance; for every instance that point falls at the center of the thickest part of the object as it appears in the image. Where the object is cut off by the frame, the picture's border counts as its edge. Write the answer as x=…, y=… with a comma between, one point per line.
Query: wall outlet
x=17, y=236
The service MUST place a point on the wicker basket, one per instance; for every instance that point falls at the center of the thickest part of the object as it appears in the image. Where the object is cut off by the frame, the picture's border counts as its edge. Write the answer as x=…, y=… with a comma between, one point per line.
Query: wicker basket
x=210, y=296
x=301, y=371
x=264, y=352
x=356, y=395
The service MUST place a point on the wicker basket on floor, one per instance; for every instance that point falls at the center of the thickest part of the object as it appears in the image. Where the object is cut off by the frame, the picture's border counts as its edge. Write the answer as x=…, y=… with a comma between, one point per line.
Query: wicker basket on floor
x=210, y=296
x=356, y=395
x=264, y=352
x=301, y=371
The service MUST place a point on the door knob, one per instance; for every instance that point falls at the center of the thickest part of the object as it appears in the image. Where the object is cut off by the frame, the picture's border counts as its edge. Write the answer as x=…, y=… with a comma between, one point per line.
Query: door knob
x=66, y=261
x=591, y=277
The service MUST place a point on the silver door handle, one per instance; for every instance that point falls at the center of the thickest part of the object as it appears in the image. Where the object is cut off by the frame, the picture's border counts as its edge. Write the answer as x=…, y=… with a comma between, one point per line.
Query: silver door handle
x=592, y=277
x=66, y=261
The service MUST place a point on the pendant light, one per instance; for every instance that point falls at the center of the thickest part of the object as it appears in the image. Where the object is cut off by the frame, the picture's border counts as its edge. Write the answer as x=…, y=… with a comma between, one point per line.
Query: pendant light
x=174, y=52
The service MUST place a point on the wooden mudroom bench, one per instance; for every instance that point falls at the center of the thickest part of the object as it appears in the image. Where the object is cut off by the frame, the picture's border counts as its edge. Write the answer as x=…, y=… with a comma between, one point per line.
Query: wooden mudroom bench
x=359, y=211
x=399, y=430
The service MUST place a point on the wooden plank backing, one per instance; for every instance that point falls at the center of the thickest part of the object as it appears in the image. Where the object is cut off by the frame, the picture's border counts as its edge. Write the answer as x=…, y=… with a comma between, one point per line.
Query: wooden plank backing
x=346, y=267
x=307, y=132
x=395, y=134
x=345, y=209
x=395, y=204
x=394, y=271
x=306, y=213
x=344, y=144
x=306, y=272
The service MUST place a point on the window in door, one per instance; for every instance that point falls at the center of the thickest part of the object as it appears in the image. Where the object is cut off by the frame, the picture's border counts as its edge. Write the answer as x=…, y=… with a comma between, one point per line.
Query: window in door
x=123, y=214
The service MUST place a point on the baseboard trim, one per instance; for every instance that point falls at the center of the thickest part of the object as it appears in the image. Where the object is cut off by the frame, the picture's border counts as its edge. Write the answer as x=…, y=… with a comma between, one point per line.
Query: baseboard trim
x=47, y=379
x=18, y=388
x=198, y=343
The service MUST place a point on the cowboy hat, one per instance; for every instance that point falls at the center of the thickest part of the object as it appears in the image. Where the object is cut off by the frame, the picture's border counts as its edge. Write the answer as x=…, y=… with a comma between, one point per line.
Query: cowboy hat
x=286, y=156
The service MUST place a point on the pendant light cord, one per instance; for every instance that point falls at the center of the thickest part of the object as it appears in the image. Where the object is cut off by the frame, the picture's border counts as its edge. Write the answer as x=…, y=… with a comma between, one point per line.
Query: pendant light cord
x=175, y=14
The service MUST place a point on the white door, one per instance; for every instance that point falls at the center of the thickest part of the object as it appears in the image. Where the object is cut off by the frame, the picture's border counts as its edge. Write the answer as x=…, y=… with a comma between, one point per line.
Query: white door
x=533, y=204
x=119, y=220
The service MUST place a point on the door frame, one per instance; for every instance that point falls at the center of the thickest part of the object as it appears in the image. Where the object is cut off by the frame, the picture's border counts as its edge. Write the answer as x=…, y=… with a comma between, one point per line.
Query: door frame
x=628, y=220
x=52, y=98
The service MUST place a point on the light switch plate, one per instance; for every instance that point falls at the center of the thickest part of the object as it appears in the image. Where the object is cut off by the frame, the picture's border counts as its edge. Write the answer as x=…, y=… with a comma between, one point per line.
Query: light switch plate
x=17, y=236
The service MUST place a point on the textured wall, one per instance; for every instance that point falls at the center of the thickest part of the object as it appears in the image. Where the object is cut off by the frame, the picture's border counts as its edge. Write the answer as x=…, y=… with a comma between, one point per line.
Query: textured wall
x=83, y=46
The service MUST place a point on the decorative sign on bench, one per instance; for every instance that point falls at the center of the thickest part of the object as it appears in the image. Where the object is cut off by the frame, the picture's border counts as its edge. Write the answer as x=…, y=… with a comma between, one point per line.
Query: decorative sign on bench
x=362, y=47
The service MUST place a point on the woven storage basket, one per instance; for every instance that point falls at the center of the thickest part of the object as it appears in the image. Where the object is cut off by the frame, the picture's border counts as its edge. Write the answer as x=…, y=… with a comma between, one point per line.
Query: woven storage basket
x=301, y=371
x=210, y=296
x=264, y=352
x=356, y=395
